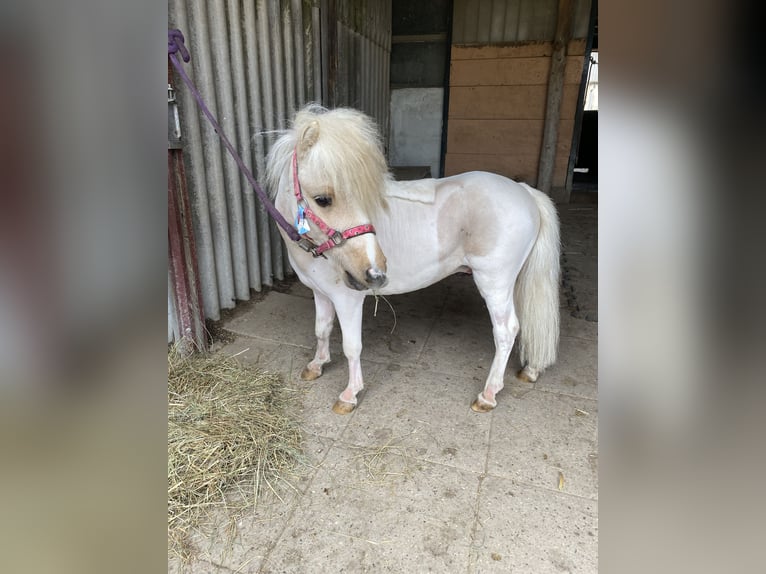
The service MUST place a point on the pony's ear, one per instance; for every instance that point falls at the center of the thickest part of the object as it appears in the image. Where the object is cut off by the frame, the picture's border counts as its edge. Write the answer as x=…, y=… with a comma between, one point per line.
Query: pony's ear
x=309, y=137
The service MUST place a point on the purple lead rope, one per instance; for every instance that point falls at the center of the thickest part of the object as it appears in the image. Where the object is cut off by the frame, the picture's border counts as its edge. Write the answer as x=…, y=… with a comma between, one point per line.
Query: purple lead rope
x=176, y=45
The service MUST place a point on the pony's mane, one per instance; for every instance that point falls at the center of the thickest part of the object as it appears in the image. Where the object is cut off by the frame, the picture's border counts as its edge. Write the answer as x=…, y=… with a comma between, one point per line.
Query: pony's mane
x=348, y=152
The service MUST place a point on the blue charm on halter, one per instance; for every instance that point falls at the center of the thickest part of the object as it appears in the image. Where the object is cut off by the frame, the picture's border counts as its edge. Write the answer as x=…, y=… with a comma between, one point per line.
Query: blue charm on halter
x=300, y=221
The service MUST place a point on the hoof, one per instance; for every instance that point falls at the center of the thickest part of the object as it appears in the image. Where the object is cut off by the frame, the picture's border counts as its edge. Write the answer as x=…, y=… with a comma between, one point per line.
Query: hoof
x=342, y=407
x=527, y=375
x=309, y=374
x=480, y=405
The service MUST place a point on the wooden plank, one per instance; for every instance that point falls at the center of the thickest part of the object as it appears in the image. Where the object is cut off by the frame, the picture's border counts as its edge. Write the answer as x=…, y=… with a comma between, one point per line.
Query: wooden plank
x=495, y=51
x=509, y=147
x=499, y=72
x=507, y=102
x=517, y=50
x=511, y=71
x=499, y=136
x=497, y=102
x=577, y=47
x=517, y=167
x=494, y=136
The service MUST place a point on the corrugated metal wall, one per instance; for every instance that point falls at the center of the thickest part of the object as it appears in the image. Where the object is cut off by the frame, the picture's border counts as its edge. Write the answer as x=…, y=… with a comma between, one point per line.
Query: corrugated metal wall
x=359, y=77
x=506, y=21
x=255, y=62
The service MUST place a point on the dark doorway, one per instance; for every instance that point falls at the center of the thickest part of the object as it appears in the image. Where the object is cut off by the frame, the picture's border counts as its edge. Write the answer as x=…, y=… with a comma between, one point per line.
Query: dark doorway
x=585, y=176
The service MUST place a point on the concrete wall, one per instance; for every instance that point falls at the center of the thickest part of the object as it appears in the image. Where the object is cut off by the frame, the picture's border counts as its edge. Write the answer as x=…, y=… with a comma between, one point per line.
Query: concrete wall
x=416, y=127
x=497, y=109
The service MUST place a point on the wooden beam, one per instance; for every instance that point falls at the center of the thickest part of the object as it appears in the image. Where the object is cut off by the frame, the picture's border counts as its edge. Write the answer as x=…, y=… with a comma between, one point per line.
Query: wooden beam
x=555, y=93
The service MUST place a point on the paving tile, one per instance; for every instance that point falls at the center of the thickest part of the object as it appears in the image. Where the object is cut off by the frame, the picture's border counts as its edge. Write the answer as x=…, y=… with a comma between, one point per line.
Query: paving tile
x=464, y=348
x=245, y=553
x=575, y=371
x=300, y=290
x=279, y=317
x=289, y=360
x=175, y=566
x=405, y=516
x=421, y=304
x=579, y=274
x=289, y=319
x=538, y=435
x=463, y=301
x=259, y=530
x=403, y=346
x=522, y=529
x=314, y=399
x=578, y=327
x=241, y=542
x=319, y=396
x=427, y=414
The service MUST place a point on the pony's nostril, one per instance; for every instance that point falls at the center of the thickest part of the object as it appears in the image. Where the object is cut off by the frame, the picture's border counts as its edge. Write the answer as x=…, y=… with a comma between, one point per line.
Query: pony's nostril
x=375, y=277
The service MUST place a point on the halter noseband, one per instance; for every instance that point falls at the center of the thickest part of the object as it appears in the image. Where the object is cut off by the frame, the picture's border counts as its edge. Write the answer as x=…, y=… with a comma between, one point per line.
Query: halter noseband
x=335, y=238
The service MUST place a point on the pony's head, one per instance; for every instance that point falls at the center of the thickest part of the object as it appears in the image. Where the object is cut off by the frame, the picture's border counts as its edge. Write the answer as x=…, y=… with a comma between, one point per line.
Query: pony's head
x=342, y=174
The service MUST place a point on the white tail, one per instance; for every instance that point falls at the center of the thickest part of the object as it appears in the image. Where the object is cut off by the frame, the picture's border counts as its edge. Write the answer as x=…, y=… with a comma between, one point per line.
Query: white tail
x=537, y=291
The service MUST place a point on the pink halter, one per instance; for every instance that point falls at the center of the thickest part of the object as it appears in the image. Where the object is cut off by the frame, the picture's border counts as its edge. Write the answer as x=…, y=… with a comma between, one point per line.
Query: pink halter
x=335, y=238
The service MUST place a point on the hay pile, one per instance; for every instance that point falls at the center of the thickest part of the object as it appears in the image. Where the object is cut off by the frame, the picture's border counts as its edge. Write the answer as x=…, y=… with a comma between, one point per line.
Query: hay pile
x=228, y=438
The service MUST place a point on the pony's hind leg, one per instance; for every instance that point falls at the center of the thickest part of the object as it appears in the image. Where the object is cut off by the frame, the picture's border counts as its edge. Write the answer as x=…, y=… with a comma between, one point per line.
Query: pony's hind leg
x=528, y=374
x=325, y=317
x=505, y=327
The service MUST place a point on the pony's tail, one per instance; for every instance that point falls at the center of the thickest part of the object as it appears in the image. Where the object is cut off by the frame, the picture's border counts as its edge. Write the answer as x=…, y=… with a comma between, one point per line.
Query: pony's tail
x=537, y=293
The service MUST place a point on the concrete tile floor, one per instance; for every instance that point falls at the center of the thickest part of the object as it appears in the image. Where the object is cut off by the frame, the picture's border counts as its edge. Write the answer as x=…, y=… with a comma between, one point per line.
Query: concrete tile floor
x=413, y=480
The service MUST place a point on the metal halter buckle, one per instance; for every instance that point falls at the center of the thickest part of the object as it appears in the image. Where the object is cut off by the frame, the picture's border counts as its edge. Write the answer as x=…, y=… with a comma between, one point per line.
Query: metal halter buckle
x=337, y=238
x=309, y=246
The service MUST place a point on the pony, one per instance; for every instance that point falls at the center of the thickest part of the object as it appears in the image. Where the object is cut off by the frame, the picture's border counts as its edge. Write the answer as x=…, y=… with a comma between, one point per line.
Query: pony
x=328, y=172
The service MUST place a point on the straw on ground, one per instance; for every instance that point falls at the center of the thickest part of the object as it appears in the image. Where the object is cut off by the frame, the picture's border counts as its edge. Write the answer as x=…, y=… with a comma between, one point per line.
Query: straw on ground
x=229, y=438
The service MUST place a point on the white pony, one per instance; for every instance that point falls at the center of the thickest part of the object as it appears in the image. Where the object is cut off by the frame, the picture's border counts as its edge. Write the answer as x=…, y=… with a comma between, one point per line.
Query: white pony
x=328, y=173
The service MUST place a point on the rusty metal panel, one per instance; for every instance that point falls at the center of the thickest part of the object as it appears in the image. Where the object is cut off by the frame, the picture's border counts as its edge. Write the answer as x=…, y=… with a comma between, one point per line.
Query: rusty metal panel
x=482, y=22
x=185, y=320
x=174, y=329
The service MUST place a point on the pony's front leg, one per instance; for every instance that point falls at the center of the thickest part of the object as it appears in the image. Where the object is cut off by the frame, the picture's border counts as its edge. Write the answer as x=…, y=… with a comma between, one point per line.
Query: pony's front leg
x=350, y=316
x=325, y=317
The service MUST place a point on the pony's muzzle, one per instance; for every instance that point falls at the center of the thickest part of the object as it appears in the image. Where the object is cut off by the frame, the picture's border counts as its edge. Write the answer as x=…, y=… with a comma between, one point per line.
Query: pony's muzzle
x=375, y=278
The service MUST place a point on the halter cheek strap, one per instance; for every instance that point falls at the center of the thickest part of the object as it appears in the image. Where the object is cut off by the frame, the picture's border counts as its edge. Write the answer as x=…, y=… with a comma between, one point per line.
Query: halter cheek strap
x=335, y=238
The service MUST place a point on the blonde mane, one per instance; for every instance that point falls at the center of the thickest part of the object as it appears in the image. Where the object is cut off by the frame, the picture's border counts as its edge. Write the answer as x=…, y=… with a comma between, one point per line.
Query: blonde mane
x=348, y=151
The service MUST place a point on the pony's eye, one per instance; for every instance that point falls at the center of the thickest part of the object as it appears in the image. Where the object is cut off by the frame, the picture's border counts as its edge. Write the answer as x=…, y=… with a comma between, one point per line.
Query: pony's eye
x=323, y=200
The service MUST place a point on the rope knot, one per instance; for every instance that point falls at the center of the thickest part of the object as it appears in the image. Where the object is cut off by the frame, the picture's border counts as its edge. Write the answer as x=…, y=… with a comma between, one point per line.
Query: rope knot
x=176, y=44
